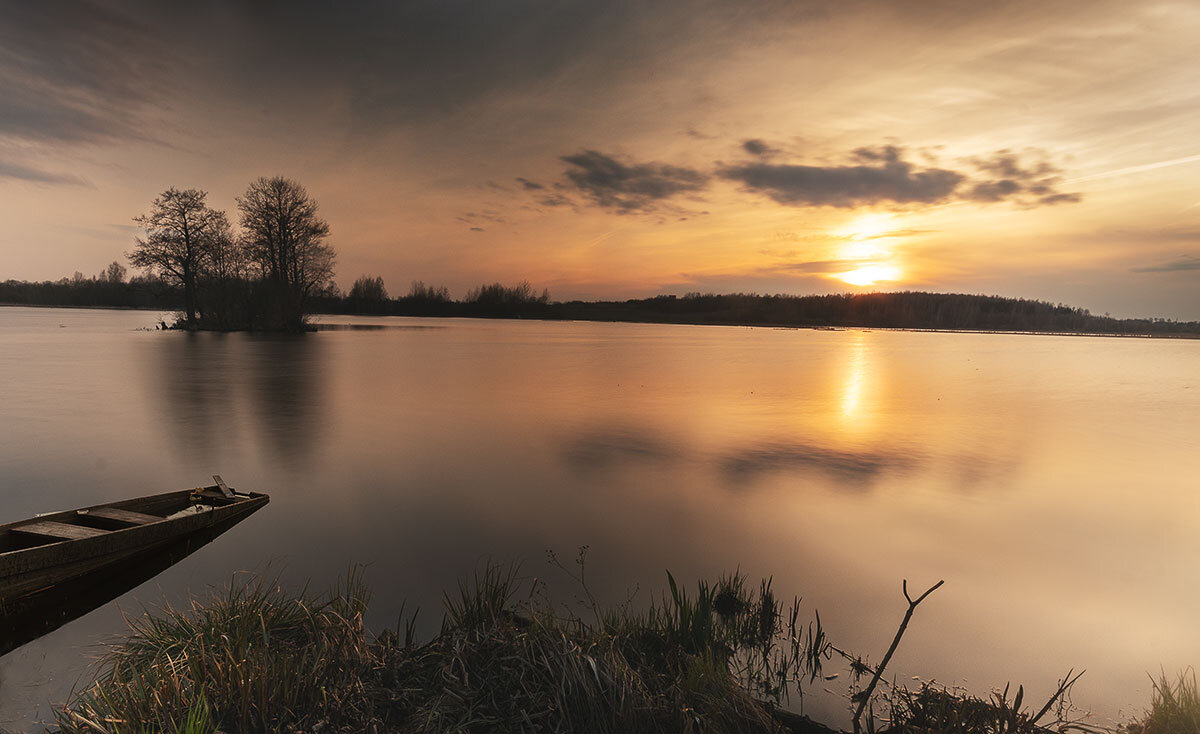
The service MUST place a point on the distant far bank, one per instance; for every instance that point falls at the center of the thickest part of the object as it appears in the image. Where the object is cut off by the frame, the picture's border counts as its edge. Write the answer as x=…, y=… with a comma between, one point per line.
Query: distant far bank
x=908, y=310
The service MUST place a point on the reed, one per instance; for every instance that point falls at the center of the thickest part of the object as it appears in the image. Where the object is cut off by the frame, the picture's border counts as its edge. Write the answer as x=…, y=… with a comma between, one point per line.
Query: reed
x=256, y=658
x=1175, y=707
x=715, y=657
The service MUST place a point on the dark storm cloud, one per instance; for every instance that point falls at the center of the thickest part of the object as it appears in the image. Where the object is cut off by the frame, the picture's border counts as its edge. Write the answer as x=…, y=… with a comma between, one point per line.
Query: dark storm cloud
x=75, y=71
x=882, y=175
x=33, y=175
x=1182, y=264
x=629, y=187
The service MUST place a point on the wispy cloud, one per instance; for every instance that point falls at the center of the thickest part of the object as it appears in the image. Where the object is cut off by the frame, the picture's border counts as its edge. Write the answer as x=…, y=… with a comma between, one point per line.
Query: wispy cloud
x=1181, y=264
x=76, y=71
x=1138, y=169
x=34, y=175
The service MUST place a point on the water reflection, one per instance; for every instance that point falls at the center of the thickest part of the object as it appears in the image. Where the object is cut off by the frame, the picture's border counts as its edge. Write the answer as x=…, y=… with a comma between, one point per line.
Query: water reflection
x=287, y=389
x=855, y=469
x=607, y=448
x=856, y=375
x=210, y=385
x=194, y=377
x=29, y=618
x=422, y=451
x=739, y=465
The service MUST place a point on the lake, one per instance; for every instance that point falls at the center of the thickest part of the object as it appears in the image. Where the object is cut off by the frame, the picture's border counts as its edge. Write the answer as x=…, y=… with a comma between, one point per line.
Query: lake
x=1051, y=481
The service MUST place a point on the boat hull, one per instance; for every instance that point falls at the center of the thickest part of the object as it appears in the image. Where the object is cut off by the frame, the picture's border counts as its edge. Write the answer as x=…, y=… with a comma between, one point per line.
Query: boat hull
x=27, y=571
x=28, y=617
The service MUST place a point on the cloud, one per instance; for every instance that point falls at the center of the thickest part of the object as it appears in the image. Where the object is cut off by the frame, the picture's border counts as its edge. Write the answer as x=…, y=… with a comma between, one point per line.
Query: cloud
x=555, y=200
x=754, y=146
x=76, y=71
x=1181, y=264
x=1028, y=185
x=815, y=266
x=485, y=215
x=24, y=173
x=882, y=175
x=629, y=187
x=529, y=185
x=476, y=229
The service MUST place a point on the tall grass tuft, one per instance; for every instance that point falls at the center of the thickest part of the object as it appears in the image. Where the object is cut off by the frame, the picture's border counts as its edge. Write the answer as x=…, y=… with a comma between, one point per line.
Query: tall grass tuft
x=250, y=658
x=1175, y=707
x=255, y=658
x=713, y=657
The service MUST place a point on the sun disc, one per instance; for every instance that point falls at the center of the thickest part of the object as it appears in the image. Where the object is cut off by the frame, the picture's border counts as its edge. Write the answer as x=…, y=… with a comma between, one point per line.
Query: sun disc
x=870, y=275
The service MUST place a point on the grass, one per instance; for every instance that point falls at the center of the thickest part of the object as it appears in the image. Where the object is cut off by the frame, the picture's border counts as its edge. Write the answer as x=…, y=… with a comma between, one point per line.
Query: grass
x=716, y=657
x=253, y=658
x=1175, y=707
x=256, y=658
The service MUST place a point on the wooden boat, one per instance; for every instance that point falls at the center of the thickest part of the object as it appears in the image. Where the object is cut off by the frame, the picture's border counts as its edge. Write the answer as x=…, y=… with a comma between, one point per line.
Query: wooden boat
x=38, y=554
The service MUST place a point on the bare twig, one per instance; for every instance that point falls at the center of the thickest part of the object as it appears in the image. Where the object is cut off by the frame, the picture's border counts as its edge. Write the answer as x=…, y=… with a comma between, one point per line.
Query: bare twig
x=1064, y=685
x=870, y=689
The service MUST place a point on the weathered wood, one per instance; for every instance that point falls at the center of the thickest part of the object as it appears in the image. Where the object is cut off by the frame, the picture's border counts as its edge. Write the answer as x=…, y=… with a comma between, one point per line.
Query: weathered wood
x=222, y=486
x=30, y=560
x=59, y=530
x=125, y=516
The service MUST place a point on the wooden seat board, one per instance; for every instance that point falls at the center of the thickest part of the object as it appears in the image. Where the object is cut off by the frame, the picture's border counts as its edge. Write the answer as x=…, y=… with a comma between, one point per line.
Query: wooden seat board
x=127, y=516
x=59, y=530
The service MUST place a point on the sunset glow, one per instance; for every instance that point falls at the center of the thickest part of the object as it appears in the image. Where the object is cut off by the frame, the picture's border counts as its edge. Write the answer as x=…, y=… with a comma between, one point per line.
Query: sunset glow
x=623, y=159
x=866, y=299
x=868, y=227
x=871, y=275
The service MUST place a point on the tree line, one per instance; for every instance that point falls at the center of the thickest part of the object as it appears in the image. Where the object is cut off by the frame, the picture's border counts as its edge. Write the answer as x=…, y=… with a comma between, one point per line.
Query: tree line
x=262, y=277
x=369, y=295
x=108, y=289
x=900, y=310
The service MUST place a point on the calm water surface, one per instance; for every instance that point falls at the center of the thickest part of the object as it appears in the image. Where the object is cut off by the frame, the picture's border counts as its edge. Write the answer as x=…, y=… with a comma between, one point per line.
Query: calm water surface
x=1052, y=481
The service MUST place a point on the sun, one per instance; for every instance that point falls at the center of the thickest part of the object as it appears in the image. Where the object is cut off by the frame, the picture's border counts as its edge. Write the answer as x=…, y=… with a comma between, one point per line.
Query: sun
x=868, y=238
x=870, y=274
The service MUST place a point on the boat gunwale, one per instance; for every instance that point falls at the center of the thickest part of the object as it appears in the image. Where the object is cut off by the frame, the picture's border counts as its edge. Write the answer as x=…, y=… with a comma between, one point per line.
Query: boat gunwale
x=113, y=544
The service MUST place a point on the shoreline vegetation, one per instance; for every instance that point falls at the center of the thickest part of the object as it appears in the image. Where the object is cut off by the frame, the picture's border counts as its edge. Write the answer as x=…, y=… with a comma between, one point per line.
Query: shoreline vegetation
x=908, y=310
x=717, y=657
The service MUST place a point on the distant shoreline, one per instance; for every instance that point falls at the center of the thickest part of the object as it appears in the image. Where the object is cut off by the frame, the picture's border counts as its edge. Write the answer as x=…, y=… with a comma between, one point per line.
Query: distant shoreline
x=748, y=324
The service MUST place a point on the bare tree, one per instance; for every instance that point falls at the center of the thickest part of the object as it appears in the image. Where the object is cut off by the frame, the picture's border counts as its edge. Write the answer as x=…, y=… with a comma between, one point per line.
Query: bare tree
x=285, y=239
x=179, y=230
x=223, y=278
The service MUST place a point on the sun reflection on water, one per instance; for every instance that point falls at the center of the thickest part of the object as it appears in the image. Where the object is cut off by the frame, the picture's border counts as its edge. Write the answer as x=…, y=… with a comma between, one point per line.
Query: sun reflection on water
x=856, y=377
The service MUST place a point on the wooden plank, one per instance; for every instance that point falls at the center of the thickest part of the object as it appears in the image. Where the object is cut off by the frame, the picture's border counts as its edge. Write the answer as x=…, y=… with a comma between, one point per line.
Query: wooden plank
x=126, y=516
x=59, y=530
x=221, y=486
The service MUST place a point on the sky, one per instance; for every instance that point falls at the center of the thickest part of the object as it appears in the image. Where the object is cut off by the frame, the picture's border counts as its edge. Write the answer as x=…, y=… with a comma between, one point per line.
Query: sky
x=601, y=149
